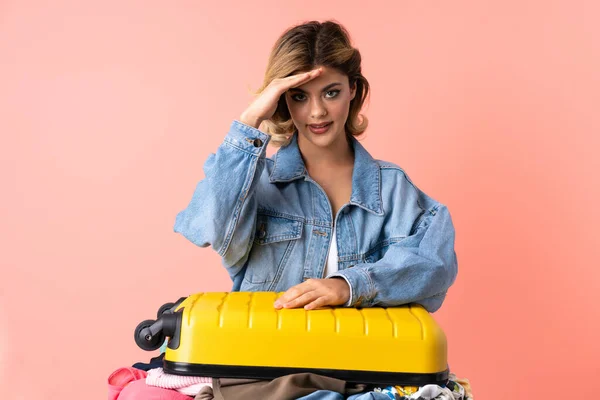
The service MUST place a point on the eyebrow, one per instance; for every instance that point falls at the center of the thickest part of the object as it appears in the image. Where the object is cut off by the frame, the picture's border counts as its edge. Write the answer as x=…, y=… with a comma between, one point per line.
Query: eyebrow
x=323, y=90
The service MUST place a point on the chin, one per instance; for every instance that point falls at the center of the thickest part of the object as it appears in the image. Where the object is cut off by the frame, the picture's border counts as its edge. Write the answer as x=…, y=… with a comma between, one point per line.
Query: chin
x=321, y=140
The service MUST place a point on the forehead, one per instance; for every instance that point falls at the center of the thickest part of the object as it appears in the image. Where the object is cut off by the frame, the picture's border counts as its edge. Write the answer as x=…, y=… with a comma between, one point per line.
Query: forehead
x=327, y=77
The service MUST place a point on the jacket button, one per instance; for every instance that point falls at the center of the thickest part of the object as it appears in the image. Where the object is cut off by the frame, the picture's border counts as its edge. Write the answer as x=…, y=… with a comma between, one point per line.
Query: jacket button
x=262, y=234
x=257, y=143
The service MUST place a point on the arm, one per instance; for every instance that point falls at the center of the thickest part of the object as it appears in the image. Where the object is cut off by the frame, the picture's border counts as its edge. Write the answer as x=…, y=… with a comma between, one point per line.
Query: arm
x=222, y=211
x=420, y=268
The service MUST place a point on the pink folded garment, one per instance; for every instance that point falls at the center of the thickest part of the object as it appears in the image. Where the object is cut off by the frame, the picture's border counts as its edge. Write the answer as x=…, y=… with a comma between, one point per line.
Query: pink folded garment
x=139, y=390
x=120, y=378
x=189, y=385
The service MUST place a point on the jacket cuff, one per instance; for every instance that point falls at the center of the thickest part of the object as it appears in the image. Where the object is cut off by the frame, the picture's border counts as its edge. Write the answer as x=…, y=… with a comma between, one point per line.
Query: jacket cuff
x=247, y=138
x=362, y=288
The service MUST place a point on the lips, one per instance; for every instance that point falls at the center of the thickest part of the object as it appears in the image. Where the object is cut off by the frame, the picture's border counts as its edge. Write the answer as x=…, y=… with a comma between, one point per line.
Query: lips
x=324, y=124
x=320, y=129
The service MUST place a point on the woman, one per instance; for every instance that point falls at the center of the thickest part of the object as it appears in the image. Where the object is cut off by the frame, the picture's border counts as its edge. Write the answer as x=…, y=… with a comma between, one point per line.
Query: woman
x=322, y=220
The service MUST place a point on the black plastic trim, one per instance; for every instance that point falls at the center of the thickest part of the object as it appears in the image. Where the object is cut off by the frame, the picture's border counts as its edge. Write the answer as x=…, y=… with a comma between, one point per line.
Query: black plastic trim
x=367, y=377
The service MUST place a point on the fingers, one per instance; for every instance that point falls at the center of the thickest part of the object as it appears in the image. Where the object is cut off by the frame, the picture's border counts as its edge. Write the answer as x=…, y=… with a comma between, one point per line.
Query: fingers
x=309, y=300
x=301, y=300
x=321, y=301
x=304, y=76
x=291, y=294
x=297, y=80
x=313, y=293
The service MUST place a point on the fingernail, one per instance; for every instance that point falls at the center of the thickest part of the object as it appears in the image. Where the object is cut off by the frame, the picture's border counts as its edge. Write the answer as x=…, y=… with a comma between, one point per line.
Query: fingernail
x=277, y=304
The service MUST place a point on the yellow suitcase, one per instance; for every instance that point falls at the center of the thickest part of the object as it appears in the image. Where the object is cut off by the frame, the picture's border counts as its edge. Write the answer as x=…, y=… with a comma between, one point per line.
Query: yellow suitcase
x=241, y=335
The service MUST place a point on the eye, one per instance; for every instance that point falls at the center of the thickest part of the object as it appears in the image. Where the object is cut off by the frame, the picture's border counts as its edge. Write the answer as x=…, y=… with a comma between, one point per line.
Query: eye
x=298, y=97
x=330, y=94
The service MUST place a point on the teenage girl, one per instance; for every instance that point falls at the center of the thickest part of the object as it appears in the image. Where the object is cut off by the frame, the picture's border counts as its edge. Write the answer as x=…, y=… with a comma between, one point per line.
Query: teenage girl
x=322, y=220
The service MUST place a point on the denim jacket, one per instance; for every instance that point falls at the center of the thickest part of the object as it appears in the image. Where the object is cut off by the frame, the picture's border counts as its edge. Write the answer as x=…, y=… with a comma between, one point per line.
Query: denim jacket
x=272, y=225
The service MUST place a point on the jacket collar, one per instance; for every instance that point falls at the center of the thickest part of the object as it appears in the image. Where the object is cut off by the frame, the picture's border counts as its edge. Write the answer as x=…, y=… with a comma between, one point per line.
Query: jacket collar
x=366, y=176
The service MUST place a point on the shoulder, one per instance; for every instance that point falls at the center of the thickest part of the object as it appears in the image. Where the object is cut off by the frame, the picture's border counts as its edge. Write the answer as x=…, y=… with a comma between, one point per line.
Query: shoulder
x=393, y=168
x=393, y=172
x=395, y=182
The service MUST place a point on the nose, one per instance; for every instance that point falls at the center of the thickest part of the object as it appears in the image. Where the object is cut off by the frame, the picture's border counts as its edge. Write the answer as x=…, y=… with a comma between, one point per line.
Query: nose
x=317, y=109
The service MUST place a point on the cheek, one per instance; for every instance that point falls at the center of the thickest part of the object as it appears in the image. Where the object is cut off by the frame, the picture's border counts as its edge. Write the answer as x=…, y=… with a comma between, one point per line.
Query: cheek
x=297, y=111
x=340, y=109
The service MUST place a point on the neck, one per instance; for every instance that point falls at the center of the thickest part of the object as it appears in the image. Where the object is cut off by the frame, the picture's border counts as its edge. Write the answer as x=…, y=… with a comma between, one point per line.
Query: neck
x=339, y=153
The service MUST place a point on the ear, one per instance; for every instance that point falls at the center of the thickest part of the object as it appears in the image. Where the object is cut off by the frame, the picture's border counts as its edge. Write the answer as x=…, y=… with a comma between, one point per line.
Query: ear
x=353, y=91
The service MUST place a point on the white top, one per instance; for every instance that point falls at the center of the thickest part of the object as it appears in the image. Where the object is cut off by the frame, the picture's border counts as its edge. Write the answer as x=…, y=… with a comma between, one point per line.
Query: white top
x=332, y=257
x=332, y=262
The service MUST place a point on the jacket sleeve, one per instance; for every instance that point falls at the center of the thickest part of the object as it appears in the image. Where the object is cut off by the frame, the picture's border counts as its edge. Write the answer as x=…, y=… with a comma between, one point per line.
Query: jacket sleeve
x=222, y=211
x=418, y=269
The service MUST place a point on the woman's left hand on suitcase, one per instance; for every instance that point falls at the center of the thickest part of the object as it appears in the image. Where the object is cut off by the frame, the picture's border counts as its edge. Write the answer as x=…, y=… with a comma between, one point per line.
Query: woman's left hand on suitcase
x=315, y=293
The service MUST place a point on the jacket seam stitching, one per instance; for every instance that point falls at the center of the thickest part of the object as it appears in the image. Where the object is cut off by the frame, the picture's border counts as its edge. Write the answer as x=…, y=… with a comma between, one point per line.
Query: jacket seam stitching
x=241, y=200
x=271, y=239
x=279, y=214
x=384, y=243
x=353, y=232
x=231, y=143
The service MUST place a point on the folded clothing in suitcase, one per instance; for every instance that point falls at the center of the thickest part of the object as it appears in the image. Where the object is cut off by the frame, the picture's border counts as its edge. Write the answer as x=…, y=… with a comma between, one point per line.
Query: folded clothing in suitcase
x=241, y=335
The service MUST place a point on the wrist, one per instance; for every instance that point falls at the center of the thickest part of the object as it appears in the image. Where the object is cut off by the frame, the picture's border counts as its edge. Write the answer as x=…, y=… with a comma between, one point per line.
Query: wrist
x=250, y=120
x=345, y=290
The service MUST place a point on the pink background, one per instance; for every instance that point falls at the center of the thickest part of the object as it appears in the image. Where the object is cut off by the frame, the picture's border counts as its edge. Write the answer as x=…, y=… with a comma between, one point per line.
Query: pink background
x=109, y=109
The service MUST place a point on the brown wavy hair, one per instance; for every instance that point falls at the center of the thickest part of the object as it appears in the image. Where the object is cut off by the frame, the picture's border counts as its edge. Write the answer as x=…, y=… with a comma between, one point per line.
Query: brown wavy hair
x=302, y=48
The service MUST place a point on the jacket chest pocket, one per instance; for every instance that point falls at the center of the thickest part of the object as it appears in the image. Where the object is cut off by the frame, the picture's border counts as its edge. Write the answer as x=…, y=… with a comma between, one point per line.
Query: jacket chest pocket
x=274, y=242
